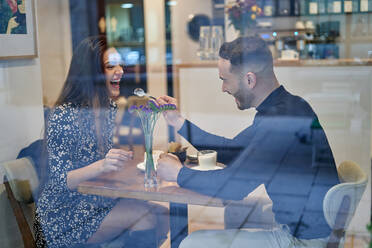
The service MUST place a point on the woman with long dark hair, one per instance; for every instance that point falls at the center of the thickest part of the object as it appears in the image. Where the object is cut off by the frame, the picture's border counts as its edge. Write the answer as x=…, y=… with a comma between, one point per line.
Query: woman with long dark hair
x=79, y=147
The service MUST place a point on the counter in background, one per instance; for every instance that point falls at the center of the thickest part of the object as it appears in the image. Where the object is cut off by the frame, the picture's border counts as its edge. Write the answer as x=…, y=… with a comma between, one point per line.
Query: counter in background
x=282, y=62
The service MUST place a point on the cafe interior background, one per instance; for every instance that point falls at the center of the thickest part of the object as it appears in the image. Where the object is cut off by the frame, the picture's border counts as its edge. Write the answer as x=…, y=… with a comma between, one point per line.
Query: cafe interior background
x=322, y=51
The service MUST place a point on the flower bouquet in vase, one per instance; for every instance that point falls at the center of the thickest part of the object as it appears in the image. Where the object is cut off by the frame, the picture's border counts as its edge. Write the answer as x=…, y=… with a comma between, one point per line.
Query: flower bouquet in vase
x=149, y=114
x=242, y=15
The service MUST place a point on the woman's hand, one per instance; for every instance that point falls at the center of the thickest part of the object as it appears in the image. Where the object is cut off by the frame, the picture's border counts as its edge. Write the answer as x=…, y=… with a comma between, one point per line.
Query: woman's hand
x=115, y=160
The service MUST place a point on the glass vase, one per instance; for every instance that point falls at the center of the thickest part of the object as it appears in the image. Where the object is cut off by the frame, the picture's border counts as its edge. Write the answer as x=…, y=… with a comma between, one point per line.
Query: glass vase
x=150, y=173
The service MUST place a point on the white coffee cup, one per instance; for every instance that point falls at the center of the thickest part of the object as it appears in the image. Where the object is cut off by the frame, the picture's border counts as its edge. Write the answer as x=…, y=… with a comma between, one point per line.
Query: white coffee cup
x=300, y=25
x=207, y=159
x=309, y=25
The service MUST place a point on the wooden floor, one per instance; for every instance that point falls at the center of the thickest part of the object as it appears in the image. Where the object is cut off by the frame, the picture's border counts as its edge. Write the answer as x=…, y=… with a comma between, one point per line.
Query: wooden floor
x=353, y=241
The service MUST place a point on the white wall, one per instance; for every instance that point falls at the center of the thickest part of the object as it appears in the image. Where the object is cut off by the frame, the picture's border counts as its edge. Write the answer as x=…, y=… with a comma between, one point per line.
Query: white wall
x=20, y=105
x=156, y=62
x=22, y=83
x=21, y=123
x=184, y=49
x=55, y=46
x=341, y=96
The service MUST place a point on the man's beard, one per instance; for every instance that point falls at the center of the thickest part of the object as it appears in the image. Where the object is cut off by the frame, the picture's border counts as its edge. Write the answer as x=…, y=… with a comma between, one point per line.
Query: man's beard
x=244, y=97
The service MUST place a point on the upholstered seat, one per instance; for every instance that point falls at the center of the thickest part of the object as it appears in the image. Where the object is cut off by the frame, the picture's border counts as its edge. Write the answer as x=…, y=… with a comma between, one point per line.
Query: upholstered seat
x=22, y=183
x=341, y=200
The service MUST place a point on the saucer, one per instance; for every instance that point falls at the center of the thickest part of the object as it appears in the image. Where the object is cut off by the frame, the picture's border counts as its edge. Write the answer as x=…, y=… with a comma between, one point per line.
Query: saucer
x=141, y=166
x=193, y=158
x=206, y=169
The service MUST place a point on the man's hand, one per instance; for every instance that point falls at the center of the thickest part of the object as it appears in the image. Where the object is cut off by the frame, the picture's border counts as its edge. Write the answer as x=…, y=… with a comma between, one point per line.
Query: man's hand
x=173, y=117
x=168, y=167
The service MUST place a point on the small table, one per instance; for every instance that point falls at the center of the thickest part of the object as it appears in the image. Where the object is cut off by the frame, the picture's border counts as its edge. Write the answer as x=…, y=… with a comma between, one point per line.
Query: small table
x=128, y=183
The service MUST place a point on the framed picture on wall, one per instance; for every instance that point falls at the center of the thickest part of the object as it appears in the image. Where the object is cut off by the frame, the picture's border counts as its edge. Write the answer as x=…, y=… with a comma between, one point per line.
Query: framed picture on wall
x=17, y=29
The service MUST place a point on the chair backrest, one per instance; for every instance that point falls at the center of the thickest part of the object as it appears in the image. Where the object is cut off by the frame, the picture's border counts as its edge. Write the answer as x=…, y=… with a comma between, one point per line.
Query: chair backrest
x=21, y=184
x=344, y=197
x=22, y=177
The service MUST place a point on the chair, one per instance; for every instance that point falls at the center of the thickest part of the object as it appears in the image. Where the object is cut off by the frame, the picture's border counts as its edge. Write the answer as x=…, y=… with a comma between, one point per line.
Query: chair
x=339, y=205
x=341, y=200
x=21, y=184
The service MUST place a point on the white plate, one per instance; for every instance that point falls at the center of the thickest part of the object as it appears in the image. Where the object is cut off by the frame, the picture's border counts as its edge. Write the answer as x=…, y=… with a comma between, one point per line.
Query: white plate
x=206, y=169
x=141, y=166
x=155, y=156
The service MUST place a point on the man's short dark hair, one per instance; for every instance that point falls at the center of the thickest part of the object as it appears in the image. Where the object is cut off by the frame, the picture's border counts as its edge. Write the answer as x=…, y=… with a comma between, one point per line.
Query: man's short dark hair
x=247, y=52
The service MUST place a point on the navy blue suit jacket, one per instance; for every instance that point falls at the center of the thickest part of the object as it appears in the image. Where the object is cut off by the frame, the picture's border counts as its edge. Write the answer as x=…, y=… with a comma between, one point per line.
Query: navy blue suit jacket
x=285, y=149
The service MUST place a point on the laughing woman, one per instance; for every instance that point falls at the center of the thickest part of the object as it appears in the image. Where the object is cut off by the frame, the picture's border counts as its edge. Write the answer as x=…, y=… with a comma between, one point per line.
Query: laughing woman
x=79, y=145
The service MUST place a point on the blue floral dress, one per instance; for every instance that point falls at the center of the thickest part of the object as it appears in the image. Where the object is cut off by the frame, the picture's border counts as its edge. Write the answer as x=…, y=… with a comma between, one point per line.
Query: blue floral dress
x=65, y=217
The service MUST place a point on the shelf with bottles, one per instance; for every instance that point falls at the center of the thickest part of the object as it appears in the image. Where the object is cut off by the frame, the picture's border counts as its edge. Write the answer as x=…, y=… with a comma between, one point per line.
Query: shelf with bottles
x=284, y=45
x=310, y=35
x=285, y=48
x=312, y=30
x=278, y=8
x=284, y=32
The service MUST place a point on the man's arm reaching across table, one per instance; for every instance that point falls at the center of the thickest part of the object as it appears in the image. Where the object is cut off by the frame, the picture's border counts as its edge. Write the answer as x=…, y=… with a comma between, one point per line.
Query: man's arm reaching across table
x=217, y=183
x=227, y=149
x=173, y=117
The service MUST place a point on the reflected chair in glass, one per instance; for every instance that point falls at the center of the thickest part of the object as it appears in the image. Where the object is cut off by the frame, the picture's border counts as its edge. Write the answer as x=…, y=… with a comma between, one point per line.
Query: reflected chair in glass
x=339, y=205
x=21, y=184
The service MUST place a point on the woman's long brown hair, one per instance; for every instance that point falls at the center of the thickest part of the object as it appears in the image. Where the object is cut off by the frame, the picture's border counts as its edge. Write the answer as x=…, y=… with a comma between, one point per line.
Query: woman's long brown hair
x=84, y=86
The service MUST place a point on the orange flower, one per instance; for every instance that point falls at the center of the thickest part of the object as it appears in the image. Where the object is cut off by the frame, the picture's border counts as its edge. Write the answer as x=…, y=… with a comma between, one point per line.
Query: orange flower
x=253, y=17
x=254, y=8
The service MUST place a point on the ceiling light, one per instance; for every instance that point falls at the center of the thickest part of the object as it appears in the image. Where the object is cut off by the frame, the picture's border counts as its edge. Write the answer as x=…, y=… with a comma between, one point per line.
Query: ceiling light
x=172, y=3
x=127, y=5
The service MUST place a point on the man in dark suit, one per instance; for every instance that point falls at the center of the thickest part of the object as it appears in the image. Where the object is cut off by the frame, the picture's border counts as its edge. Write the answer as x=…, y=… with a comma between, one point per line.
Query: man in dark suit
x=285, y=148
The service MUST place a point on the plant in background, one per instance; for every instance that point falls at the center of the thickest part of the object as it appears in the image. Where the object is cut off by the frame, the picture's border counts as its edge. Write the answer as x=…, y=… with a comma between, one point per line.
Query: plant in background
x=149, y=114
x=243, y=15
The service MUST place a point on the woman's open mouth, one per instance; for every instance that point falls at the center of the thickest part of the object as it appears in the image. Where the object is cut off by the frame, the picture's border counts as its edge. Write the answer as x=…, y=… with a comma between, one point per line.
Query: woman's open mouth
x=115, y=83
